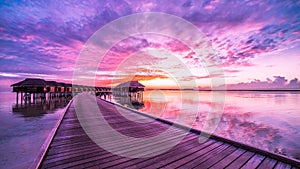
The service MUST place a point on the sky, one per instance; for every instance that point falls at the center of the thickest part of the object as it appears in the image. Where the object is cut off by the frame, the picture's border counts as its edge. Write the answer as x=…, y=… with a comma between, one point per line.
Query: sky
x=256, y=43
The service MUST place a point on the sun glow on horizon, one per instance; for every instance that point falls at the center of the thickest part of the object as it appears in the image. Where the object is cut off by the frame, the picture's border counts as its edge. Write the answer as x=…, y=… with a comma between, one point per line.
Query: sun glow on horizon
x=159, y=83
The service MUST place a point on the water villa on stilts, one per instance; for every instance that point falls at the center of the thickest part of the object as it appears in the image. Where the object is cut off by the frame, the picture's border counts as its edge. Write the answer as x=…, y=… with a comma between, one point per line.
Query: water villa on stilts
x=129, y=94
x=133, y=89
x=32, y=89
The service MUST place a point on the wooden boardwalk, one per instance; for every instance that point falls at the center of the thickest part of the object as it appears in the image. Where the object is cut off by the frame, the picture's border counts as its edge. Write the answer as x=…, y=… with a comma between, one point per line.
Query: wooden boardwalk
x=71, y=147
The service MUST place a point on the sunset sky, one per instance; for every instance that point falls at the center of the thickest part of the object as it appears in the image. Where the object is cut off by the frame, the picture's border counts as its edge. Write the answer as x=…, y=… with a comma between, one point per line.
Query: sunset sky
x=256, y=42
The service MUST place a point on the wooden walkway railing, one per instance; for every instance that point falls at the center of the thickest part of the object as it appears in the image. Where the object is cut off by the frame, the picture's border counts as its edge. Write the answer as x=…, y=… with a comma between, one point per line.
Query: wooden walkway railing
x=71, y=147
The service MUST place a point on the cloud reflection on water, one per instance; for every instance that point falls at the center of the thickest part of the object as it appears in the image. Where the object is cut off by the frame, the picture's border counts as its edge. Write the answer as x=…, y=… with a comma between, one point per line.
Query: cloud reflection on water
x=266, y=120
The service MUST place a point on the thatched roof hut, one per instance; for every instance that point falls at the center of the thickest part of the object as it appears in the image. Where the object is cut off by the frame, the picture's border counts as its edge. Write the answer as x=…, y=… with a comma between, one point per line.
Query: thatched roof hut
x=51, y=83
x=31, y=85
x=29, y=82
x=35, y=85
x=131, y=86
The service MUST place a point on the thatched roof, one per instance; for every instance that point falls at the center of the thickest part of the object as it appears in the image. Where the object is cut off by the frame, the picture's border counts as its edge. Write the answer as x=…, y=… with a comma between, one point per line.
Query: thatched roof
x=68, y=85
x=131, y=84
x=30, y=82
x=61, y=84
x=35, y=82
x=51, y=83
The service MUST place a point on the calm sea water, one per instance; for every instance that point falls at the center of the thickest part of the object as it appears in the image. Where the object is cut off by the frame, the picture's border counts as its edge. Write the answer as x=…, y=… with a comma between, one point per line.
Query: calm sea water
x=24, y=129
x=267, y=120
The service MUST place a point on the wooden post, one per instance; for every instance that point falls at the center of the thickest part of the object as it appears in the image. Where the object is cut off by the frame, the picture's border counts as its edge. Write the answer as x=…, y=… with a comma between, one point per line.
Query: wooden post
x=30, y=97
x=21, y=98
x=33, y=95
x=17, y=98
x=25, y=97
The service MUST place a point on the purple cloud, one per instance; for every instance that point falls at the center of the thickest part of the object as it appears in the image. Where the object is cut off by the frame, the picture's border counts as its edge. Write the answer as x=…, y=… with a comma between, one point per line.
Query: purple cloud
x=45, y=37
x=279, y=83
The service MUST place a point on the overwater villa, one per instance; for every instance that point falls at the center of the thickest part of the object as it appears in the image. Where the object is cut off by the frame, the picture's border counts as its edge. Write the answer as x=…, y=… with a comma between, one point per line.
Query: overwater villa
x=129, y=94
x=131, y=89
x=40, y=88
x=30, y=85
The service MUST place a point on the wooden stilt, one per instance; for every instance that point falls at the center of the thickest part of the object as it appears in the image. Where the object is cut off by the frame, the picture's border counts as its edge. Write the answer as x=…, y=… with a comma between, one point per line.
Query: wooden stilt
x=22, y=98
x=17, y=98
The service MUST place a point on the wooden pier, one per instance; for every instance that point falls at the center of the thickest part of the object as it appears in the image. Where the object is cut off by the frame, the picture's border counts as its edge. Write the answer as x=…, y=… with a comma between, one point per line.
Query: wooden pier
x=71, y=147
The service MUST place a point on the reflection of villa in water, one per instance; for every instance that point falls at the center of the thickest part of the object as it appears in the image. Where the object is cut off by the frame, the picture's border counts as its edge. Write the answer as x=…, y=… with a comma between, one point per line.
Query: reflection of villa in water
x=39, y=108
x=129, y=94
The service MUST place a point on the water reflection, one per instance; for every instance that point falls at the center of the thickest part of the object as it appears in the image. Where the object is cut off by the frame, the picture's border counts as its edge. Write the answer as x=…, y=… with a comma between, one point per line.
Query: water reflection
x=242, y=127
x=38, y=108
x=132, y=102
x=266, y=120
x=24, y=128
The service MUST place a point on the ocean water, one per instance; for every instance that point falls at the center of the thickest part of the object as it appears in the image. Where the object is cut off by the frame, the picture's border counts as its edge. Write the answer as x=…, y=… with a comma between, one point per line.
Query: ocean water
x=267, y=120
x=24, y=129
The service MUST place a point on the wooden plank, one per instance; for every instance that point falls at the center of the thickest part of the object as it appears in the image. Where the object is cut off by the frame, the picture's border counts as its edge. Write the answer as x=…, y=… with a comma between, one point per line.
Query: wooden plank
x=128, y=146
x=112, y=143
x=116, y=123
x=66, y=141
x=176, y=152
x=213, y=160
x=281, y=165
x=55, y=152
x=227, y=160
x=267, y=163
x=202, y=158
x=176, y=162
x=71, y=153
x=149, y=131
x=87, y=157
x=241, y=160
x=72, y=162
x=254, y=161
x=184, y=146
x=68, y=159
